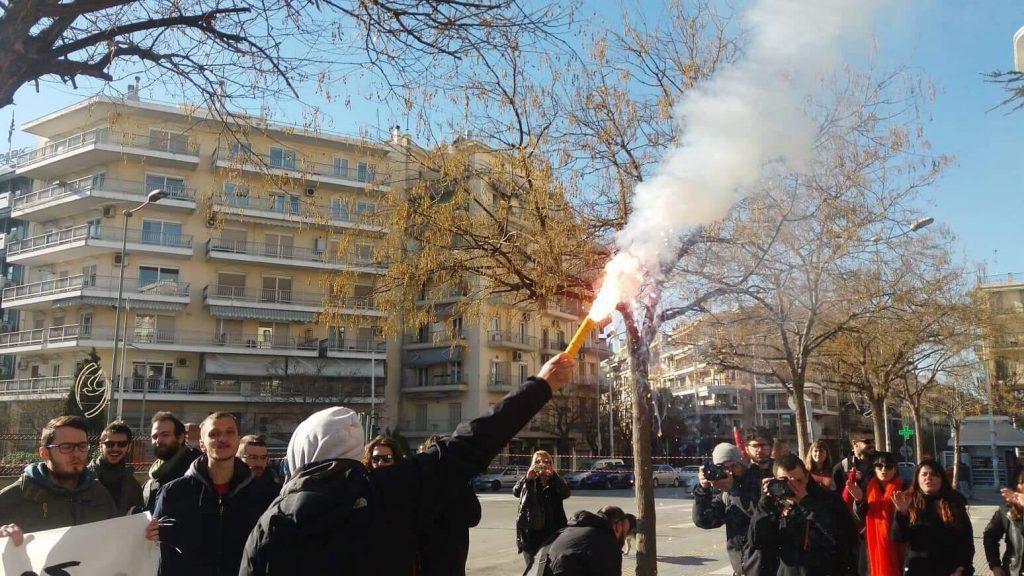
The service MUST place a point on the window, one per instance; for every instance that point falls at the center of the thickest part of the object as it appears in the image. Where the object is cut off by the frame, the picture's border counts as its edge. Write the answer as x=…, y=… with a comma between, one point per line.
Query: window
x=455, y=372
x=276, y=289
x=232, y=240
x=454, y=414
x=364, y=252
x=173, y=186
x=85, y=324
x=495, y=374
x=161, y=233
x=363, y=295
x=168, y=142
x=153, y=279
x=89, y=275
x=421, y=417
x=242, y=149
x=363, y=172
x=152, y=376
x=339, y=209
x=284, y=203
x=278, y=245
x=341, y=167
x=495, y=324
x=282, y=158
x=523, y=372
x=229, y=331
x=273, y=335
x=230, y=284
x=152, y=328
x=457, y=326
x=236, y=195
x=364, y=208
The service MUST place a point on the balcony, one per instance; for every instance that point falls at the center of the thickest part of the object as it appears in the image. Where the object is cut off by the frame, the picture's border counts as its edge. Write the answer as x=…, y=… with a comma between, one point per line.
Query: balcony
x=54, y=337
x=103, y=146
x=566, y=310
x=53, y=388
x=509, y=339
x=598, y=348
x=427, y=427
x=301, y=169
x=277, y=305
x=90, y=240
x=1003, y=280
x=288, y=256
x=65, y=199
x=440, y=385
x=433, y=339
x=97, y=290
x=213, y=389
x=353, y=348
x=295, y=210
x=553, y=345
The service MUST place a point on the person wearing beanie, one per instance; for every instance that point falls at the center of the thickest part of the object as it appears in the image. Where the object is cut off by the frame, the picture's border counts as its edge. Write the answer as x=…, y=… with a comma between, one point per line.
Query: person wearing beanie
x=731, y=501
x=333, y=517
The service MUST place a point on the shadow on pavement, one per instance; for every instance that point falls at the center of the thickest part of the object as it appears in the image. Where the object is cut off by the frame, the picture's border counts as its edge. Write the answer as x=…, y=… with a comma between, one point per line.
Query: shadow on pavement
x=687, y=560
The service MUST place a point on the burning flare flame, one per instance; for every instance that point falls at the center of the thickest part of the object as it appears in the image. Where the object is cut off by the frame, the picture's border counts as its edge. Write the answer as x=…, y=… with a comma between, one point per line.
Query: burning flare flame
x=622, y=278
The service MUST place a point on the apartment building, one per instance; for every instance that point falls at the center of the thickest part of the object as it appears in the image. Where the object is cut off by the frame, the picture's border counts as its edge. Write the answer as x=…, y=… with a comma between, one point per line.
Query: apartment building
x=1004, y=339
x=459, y=364
x=225, y=277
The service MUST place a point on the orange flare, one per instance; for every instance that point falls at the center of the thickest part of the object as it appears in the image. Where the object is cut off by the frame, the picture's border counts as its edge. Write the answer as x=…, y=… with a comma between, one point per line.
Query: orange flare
x=581, y=334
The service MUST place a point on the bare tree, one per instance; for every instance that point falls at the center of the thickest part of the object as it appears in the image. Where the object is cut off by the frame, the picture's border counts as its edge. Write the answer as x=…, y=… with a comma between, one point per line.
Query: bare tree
x=955, y=398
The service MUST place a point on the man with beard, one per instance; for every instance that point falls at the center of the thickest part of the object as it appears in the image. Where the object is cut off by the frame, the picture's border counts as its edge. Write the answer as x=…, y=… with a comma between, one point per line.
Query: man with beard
x=206, y=515
x=59, y=491
x=861, y=465
x=112, y=469
x=759, y=445
x=173, y=456
x=591, y=545
x=252, y=449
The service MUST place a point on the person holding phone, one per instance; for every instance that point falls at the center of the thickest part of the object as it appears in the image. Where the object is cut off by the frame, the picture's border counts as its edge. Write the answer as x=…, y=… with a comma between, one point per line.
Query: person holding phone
x=874, y=509
x=541, y=510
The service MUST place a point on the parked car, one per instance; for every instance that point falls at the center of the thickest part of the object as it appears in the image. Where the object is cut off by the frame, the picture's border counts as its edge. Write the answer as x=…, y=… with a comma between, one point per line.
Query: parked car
x=665, y=475
x=688, y=475
x=906, y=471
x=505, y=478
x=573, y=479
x=607, y=478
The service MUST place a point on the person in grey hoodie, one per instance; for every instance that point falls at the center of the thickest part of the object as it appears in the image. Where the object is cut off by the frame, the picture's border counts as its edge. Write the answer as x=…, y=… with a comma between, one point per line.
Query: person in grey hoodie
x=59, y=491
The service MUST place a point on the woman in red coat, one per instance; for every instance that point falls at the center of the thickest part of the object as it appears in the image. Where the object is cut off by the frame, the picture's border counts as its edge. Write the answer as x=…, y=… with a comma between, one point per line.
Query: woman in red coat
x=874, y=507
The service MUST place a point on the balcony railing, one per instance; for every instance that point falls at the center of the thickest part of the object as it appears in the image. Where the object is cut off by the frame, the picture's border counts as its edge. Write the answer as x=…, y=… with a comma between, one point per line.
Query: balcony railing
x=510, y=337
x=1005, y=279
x=439, y=380
x=289, y=205
x=49, y=385
x=159, y=142
x=91, y=232
x=353, y=345
x=302, y=166
x=553, y=344
x=285, y=252
x=428, y=426
x=146, y=336
x=89, y=184
x=78, y=282
x=434, y=337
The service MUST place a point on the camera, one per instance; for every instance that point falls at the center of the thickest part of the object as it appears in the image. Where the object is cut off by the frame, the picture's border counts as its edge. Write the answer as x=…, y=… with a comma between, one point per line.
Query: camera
x=779, y=488
x=714, y=472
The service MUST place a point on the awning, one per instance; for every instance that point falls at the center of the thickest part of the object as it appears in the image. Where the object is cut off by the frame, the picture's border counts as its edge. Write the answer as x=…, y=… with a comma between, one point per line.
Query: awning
x=280, y=366
x=243, y=312
x=131, y=304
x=975, y=432
x=430, y=356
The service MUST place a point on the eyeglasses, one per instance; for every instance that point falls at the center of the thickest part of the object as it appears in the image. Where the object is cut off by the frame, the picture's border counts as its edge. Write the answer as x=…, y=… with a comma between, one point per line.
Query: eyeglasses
x=115, y=443
x=69, y=447
x=382, y=458
x=881, y=466
x=256, y=457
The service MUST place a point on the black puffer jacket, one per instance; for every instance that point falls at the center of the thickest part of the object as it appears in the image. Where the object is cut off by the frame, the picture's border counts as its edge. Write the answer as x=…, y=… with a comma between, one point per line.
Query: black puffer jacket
x=401, y=499
x=734, y=508
x=208, y=531
x=586, y=547
x=541, y=511
x=444, y=545
x=1001, y=527
x=932, y=546
x=810, y=538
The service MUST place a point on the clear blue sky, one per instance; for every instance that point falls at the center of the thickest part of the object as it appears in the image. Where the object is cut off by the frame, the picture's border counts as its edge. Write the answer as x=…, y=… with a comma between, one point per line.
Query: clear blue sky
x=952, y=42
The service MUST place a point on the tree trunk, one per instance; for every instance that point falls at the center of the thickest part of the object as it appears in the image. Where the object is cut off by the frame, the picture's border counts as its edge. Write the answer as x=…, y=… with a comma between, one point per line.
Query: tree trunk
x=915, y=412
x=646, y=541
x=878, y=421
x=801, y=415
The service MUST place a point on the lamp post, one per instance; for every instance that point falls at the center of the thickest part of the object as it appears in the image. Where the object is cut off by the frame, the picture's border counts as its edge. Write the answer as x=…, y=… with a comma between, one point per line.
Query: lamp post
x=115, y=371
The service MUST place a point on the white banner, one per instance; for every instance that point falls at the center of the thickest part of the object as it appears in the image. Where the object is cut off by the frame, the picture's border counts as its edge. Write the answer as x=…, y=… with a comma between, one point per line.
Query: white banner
x=116, y=547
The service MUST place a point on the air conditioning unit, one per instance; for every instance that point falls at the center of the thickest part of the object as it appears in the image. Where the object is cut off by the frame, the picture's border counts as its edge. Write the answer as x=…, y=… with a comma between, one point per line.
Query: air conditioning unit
x=182, y=362
x=517, y=356
x=310, y=191
x=117, y=259
x=109, y=211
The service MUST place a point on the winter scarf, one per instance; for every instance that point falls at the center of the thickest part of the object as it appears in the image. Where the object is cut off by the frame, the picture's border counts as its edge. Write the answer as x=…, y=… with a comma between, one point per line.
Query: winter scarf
x=160, y=468
x=885, y=555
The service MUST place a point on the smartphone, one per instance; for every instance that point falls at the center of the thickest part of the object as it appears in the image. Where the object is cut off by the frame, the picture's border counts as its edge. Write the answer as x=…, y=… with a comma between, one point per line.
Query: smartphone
x=852, y=476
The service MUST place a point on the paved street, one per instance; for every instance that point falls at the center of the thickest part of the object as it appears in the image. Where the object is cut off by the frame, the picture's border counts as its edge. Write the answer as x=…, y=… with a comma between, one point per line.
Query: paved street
x=683, y=549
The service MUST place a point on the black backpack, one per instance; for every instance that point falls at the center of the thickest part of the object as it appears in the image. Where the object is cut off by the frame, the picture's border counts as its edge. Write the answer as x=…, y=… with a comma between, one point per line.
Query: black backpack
x=320, y=524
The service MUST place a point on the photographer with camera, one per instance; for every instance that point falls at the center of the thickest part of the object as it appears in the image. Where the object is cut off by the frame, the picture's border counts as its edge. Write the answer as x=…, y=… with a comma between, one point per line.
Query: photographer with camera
x=541, y=512
x=806, y=527
x=727, y=494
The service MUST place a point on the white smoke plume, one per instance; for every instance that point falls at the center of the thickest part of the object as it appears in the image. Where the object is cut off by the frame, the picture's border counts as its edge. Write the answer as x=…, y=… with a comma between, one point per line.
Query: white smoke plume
x=744, y=117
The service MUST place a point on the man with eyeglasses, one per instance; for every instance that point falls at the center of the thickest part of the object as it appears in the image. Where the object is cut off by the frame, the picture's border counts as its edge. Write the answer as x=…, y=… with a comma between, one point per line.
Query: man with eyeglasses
x=759, y=443
x=60, y=491
x=112, y=469
x=252, y=450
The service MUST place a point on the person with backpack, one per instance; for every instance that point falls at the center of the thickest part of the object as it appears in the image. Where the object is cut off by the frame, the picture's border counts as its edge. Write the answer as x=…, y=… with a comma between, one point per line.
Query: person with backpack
x=591, y=545
x=333, y=517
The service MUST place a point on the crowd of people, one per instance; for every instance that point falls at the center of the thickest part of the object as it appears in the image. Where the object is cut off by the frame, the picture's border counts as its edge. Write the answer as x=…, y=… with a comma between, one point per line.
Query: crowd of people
x=219, y=509
x=788, y=516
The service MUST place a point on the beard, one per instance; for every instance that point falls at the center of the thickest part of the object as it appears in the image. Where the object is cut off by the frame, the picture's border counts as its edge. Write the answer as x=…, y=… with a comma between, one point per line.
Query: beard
x=65, y=473
x=165, y=452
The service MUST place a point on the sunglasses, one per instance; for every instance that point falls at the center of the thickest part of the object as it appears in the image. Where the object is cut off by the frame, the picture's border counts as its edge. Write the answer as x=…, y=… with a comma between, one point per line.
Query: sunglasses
x=867, y=441
x=115, y=443
x=884, y=467
x=382, y=458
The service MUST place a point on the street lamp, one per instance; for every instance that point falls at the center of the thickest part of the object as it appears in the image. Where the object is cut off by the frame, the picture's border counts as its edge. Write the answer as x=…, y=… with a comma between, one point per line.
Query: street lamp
x=154, y=196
